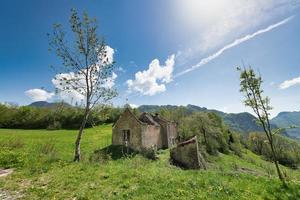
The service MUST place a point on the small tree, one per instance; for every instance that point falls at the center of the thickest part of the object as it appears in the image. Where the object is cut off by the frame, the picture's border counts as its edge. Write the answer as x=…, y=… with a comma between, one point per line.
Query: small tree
x=87, y=66
x=251, y=87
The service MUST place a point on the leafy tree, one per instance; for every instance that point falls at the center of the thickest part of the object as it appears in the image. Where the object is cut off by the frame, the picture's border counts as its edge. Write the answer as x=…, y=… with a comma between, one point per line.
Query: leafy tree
x=210, y=130
x=87, y=65
x=250, y=84
x=288, y=150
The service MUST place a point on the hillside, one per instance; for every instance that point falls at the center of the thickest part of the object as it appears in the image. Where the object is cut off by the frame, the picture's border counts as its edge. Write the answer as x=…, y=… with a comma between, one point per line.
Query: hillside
x=286, y=119
x=43, y=171
x=240, y=122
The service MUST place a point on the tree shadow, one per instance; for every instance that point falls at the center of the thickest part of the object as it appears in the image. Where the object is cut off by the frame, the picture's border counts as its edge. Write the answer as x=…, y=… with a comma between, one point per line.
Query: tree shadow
x=115, y=152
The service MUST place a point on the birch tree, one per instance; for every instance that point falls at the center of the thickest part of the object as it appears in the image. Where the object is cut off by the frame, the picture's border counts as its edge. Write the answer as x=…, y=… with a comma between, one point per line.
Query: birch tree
x=87, y=66
x=250, y=84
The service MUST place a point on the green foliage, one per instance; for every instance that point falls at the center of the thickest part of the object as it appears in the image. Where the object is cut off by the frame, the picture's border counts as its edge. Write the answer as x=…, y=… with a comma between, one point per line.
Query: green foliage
x=150, y=153
x=111, y=152
x=250, y=84
x=287, y=119
x=11, y=159
x=54, y=118
x=287, y=151
x=211, y=133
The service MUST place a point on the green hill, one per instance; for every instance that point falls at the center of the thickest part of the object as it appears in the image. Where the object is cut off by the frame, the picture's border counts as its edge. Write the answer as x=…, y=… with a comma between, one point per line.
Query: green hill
x=45, y=104
x=286, y=119
x=240, y=122
x=43, y=171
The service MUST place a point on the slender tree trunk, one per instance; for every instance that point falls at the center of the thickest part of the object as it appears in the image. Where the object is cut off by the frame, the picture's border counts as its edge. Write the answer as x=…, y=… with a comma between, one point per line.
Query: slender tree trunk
x=77, y=155
x=280, y=175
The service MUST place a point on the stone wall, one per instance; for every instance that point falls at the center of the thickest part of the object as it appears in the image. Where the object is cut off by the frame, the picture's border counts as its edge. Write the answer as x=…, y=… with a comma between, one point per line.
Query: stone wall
x=186, y=154
x=127, y=122
x=172, y=133
x=151, y=137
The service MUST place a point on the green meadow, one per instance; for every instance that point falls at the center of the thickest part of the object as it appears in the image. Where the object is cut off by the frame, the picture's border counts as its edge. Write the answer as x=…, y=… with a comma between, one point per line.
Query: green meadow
x=43, y=169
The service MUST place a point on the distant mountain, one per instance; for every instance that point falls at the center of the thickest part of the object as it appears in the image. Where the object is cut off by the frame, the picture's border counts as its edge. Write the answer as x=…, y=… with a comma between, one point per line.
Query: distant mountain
x=286, y=119
x=240, y=122
x=45, y=104
x=154, y=108
x=190, y=108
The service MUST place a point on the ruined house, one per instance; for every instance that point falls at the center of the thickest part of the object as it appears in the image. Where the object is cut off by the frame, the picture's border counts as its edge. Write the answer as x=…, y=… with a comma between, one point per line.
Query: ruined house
x=147, y=131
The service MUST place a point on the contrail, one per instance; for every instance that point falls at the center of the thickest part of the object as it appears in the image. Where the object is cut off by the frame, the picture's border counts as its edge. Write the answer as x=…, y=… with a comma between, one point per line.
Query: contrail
x=233, y=44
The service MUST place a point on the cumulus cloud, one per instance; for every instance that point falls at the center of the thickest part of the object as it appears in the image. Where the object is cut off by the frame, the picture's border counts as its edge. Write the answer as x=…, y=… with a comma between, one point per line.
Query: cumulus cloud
x=107, y=57
x=39, y=94
x=152, y=81
x=289, y=83
x=72, y=86
x=67, y=93
x=110, y=81
x=233, y=44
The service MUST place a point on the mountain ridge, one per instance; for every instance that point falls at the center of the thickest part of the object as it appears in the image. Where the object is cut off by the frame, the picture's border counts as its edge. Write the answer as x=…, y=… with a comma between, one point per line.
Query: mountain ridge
x=243, y=122
x=45, y=104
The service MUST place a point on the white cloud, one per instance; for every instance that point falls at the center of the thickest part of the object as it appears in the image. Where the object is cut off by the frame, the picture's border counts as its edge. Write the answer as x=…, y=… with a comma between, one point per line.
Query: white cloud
x=39, y=94
x=107, y=57
x=289, y=83
x=152, y=81
x=110, y=81
x=69, y=94
x=233, y=44
x=133, y=105
x=65, y=92
x=72, y=86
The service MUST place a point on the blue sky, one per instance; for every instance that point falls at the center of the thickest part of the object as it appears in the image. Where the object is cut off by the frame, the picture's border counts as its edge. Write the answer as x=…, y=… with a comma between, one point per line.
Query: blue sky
x=144, y=32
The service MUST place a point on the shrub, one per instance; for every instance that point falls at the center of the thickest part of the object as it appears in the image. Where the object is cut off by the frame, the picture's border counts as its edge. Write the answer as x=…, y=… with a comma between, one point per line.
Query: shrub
x=211, y=132
x=100, y=157
x=150, y=153
x=55, y=117
x=11, y=159
x=55, y=126
x=235, y=144
x=287, y=151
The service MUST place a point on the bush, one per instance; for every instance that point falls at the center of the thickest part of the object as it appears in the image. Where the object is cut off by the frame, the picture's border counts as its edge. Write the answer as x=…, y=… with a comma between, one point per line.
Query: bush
x=211, y=132
x=287, y=151
x=150, y=153
x=235, y=144
x=11, y=159
x=100, y=157
x=55, y=126
x=56, y=117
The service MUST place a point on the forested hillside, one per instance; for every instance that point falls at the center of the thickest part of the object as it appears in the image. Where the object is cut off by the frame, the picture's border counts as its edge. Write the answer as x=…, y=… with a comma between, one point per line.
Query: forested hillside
x=286, y=119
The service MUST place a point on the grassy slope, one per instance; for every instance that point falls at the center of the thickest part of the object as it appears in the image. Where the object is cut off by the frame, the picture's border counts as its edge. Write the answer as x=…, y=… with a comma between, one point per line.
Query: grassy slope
x=228, y=177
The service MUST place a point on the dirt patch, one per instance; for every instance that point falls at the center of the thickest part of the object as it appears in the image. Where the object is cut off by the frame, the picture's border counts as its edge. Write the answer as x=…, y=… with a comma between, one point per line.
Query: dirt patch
x=5, y=195
x=5, y=172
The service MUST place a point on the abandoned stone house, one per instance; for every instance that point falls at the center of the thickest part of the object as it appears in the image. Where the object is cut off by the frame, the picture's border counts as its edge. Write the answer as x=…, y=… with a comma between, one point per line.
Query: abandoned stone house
x=147, y=131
